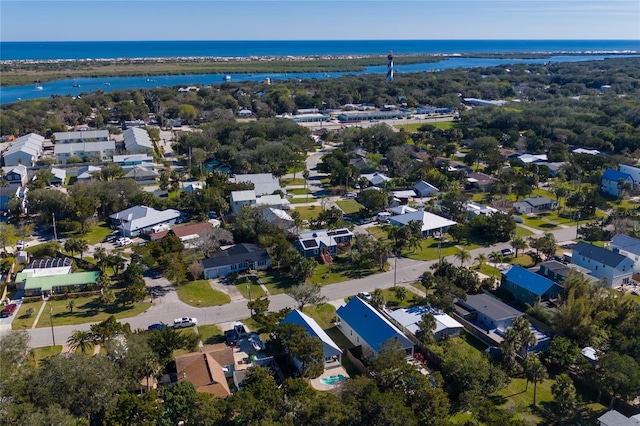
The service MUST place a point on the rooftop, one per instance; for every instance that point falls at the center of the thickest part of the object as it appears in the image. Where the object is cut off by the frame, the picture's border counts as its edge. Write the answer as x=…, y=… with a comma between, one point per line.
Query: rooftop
x=312, y=327
x=614, y=175
x=237, y=253
x=600, y=254
x=626, y=243
x=46, y=283
x=491, y=306
x=528, y=280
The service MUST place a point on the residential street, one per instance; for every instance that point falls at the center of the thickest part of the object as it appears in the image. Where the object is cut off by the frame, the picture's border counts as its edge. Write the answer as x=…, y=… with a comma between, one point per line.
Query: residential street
x=167, y=306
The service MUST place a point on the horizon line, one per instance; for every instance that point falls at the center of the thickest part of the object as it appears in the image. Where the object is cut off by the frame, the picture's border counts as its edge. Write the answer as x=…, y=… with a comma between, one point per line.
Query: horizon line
x=323, y=40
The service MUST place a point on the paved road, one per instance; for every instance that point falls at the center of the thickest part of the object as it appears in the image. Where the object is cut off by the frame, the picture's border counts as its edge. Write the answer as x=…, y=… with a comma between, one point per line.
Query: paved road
x=167, y=306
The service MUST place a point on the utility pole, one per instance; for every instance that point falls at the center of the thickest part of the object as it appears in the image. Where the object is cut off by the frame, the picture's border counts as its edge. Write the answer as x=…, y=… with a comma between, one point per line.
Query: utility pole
x=53, y=336
x=395, y=270
x=577, y=224
x=55, y=234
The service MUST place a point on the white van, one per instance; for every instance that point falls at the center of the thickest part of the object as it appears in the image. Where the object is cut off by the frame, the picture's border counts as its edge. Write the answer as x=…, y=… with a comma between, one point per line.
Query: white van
x=384, y=217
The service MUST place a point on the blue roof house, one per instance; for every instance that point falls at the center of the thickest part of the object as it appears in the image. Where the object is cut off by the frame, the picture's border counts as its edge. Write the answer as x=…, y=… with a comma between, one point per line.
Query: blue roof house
x=528, y=287
x=364, y=326
x=610, y=182
x=332, y=352
x=627, y=246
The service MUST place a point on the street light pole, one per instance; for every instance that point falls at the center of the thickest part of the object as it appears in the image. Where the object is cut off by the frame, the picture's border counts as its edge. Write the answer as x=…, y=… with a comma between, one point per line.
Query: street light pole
x=51, y=321
x=577, y=224
x=395, y=270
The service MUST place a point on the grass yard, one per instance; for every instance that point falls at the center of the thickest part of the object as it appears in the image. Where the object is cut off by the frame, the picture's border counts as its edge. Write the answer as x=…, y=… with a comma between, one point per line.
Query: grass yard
x=523, y=232
x=413, y=127
x=391, y=301
x=379, y=232
x=275, y=281
x=298, y=191
x=254, y=289
x=539, y=223
x=429, y=250
x=487, y=270
x=87, y=309
x=200, y=294
x=349, y=206
x=97, y=233
x=210, y=334
x=22, y=320
x=324, y=314
x=302, y=200
x=341, y=269
x=38, y=354
x=523, y=260
x=514, y=396
x=309, y=212
x=291, y=181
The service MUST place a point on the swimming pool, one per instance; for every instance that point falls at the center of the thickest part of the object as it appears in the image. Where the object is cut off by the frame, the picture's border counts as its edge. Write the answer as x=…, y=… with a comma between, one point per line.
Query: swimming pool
x=333, y=380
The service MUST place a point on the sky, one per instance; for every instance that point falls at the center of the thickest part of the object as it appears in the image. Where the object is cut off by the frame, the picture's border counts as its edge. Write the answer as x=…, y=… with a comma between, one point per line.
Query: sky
x=89, y=20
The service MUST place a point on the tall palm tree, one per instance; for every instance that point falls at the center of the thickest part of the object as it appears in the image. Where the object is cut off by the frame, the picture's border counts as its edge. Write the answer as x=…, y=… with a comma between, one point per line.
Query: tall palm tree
x=535, y=372
x=81, y=339
x=82, y=245
x=481, y=259
x=518, y=243
x=463, y=256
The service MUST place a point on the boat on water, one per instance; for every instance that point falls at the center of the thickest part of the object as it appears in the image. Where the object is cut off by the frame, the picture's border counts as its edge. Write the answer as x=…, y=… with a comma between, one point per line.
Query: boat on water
x=76, y=85
x=39, y=86
x=107, y=84
x=227, y=77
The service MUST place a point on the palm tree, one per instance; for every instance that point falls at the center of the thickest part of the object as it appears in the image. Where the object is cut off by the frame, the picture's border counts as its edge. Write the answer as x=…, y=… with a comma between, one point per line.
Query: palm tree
x=518, y=243
x=70, y=246
x=150, y=366
x=400, y=293
x=481, y=259
x=82, y=246
x=81, y=339
x=463, y=256
x=535, y=372
x=70, y=305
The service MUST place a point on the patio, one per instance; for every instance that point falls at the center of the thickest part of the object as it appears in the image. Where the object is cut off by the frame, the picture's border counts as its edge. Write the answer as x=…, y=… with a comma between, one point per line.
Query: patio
x=327, y=376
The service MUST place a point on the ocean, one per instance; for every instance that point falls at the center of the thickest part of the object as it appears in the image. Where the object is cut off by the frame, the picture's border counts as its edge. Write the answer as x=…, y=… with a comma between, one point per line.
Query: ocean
x=590, y=50
x=166, y=49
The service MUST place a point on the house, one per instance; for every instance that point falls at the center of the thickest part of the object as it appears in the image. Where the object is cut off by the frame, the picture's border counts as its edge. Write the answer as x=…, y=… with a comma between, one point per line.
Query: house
x=632, y=171
x=402, y=209
x=409, y=318
x=141, y=219
x=332, y=352
x=615, y=418
x=376, y=179
x=614, y=268
x=59, y=176
x=535, y=204
x=627, y=246
x=6, y=192
x=590, y=355
x=611, y=180
x=239, y=199
x=481, y=181
x=528, y=287
x=263, y=183
x=586, y=151
x=188, y=234
x=532, y=158
x=474, y=209
x=364, y=326
x=487, y=311
x=137, y=141
x=431, y=223
x=554, y=167
x=16, y=175
x=24, y=150
x=51, y=284
x=424, y=189
x=142, y=175
x=452, y=165
x=100, y=151
x=245, y=113
x=129, y=160
x=558, y=271
x=207, y=369
x=193, y=186
x=87, y=173
x=279, y=218
x=235, y=258
x=322, y=242
x=82, y=136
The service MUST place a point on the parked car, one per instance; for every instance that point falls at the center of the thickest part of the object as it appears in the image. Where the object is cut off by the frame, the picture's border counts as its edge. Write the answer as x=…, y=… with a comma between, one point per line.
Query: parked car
x=231, y=336
x=157, y=326
x=365, y=295
x=9, y=310
x=350, y=195
x=21, y=245
x=124, y=241
x=184, y=322
x=507, y=252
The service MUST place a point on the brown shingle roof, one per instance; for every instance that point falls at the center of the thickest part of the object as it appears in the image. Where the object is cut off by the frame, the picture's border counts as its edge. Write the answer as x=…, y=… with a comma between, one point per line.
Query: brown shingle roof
x=204, y=369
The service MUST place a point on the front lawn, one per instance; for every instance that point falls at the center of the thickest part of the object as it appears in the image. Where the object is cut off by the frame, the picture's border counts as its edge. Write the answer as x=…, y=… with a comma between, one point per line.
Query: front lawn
x=38, y=354
x=22, y=320
x=291, y=181
x=539, y=223
x=523, y=260
x=200, y=294
x=341, y=269
x=249, y=287
x=87, y=309
x=298, y=191
x=379, y=232
x=349, y=206
x=97, y=233
x=275, y=281
x=392, y=302
x=210, y=334
x=302, y=200
x=523, y=232
x=309, y=212
x=324, y=314
x=428, y=250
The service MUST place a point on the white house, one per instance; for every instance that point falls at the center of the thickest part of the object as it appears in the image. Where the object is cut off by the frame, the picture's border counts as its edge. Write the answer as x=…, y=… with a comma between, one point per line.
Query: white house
x=239, y=199
x=377, y=179
x=364, y=326
x=86, y=173
x=16, y=175
x=610, y=181
x=425, y=189
x=409, y=318
x=332, y=352
x=431, y=223
x=604, y=264
x=141, y=219
x=130, y=160
x=627, y=246
x=137, y=140
x=634, y=172
x=532, y=158
x=263, y=183
x=101, y=151
x=24, y=150
x=81, y=136
x=535, y=204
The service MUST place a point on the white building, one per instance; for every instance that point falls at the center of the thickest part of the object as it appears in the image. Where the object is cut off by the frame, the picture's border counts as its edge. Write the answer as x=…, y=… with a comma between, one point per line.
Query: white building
x=629, y=247
x=239, y=199
x=81, y=136
x=101, y=151
x=137, y=140
x=431, y=223
x=615, y=268
x=332, y=352
x=409, y=318
x=24, y=150
x=141, y=219
x=263, y=183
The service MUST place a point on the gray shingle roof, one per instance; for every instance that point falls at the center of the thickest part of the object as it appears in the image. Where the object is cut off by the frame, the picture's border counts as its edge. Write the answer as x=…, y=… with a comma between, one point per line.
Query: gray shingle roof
x=235, y=254
x=626, y=243
x=491, y=306
x=599, y=254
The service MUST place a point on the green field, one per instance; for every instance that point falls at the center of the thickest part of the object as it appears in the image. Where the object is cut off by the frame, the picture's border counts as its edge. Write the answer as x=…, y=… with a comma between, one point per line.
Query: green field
x=21, y=320
x=275, y=281
x=428, y=250
x=200, y=294
x=253, y=291
x=349, y=206
x=302, y=200
x=413, y=127
x=210, y=334
x=341, y=269
x=87, y=309
x=309, y=212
